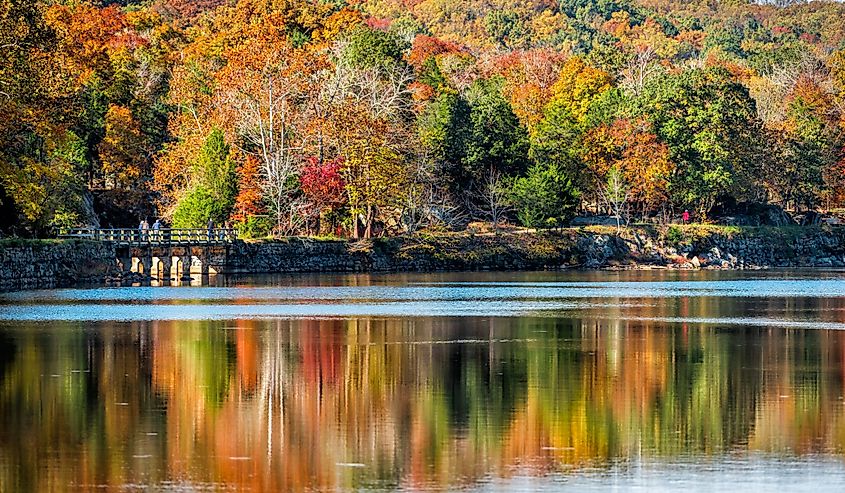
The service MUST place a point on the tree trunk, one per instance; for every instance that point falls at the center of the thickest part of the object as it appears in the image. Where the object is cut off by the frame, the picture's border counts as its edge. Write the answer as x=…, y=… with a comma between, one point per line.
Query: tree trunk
x=368, y=231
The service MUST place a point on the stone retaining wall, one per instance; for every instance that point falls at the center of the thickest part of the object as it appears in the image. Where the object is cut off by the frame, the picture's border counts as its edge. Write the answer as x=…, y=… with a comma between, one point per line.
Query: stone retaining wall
x=689, y=248
x=752, y=248
x=41, y=265
x=53, y=264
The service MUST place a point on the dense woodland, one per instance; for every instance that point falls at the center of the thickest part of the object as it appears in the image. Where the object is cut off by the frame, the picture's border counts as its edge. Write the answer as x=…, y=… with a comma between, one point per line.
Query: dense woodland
x=369, y=117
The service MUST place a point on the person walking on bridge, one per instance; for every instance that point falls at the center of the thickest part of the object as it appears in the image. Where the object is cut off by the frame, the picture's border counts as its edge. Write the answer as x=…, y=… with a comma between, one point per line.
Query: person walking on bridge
x=210, y=229
x=156, y=228
x=224, y=233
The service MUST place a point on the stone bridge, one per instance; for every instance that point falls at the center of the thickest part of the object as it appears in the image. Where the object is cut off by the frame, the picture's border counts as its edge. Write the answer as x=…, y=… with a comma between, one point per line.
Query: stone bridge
x=160, y=252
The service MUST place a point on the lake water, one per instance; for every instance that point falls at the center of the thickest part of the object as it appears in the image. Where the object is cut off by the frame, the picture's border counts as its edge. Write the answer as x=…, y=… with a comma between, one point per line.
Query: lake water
x=642, y=381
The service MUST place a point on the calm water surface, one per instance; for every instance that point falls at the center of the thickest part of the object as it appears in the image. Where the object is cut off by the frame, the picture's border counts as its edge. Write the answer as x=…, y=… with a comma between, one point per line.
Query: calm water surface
x=641, y=381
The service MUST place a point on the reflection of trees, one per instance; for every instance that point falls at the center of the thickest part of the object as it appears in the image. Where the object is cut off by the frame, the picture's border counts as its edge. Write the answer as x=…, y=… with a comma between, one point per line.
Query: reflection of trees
x=75, y=405
x=285, y=405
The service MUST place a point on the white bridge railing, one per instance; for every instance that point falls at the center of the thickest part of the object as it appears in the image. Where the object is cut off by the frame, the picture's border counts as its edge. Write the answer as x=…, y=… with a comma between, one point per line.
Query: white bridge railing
x=166, y=236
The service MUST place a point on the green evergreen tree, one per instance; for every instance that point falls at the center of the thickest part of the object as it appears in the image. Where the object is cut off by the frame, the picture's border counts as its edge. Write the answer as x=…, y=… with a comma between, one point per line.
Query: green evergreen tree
x=544, y=198
x=213, y=194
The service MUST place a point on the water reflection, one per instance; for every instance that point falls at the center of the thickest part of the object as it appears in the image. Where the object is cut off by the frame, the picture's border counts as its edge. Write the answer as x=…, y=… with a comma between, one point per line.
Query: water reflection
x=425, y=402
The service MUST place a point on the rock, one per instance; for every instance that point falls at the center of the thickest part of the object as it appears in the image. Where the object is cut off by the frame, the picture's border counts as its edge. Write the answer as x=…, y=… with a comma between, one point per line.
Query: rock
x=696, y=264
x=756, y=214
x=811, y=218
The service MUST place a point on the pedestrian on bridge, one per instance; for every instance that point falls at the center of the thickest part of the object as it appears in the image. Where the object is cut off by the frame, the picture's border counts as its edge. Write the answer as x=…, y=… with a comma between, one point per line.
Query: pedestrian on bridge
x=156, y=228
x=224, y=233
x=143, y=228
x=210, y=229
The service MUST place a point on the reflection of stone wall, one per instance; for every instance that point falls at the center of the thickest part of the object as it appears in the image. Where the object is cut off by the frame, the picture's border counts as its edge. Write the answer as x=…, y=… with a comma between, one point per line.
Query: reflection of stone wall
x=34, y=264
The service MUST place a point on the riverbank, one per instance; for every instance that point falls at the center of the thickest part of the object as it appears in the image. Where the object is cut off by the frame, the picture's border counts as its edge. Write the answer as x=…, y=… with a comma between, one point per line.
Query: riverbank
x=29, y=264
x=674, y=247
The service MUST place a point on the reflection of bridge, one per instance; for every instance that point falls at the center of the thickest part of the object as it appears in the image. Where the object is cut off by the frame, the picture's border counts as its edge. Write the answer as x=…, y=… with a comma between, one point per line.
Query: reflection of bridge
x=158, y=251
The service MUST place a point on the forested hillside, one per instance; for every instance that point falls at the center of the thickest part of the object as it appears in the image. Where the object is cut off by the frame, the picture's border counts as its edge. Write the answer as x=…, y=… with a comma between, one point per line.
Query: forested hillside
x=359, y=117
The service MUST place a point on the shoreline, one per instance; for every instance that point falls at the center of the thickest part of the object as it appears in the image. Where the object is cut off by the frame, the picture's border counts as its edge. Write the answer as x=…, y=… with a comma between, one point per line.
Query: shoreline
x=44, y=264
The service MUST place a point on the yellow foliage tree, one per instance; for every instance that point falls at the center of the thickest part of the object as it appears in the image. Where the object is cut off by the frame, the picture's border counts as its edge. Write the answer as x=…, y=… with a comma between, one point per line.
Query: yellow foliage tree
x=578, y=85
x=123, y=149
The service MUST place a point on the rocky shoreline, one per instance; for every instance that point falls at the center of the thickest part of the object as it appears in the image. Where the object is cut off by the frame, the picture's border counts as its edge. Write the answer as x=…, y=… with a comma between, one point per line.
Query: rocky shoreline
x=49, y=264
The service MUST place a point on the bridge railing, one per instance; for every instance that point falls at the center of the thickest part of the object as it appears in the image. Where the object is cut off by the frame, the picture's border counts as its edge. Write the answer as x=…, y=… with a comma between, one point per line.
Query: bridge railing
x=164, y=236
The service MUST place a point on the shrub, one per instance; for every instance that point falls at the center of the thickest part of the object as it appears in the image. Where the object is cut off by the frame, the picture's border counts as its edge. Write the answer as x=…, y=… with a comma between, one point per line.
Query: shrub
x=254, y=227
x=674, y=235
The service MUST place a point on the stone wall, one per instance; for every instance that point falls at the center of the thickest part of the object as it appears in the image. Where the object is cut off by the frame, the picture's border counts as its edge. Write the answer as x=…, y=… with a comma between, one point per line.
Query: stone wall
x=33, y=264
x=451, y=252
x=48, y=264
x=691, y=247
x=742, y=249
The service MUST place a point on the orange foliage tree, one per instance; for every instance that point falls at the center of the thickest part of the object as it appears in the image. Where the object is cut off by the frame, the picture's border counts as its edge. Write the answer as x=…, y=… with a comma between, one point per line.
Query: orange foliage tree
x=630, y=148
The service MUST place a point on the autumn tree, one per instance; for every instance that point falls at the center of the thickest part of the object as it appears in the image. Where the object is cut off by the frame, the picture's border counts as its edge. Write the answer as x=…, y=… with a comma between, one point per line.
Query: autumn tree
x=248, y=202
x=370, y=116
x=529, y=77
x=324, y=188
x=248, y=211
x=708, y=122
x=47, y=192
x=41, y=158
x=558, y=135
x=123, y=150
x=577, y=86
x=260, y=93
x=630, y=151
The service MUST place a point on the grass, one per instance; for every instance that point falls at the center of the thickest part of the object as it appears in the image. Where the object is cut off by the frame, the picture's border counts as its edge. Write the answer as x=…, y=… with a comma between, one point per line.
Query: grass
x=673, y=233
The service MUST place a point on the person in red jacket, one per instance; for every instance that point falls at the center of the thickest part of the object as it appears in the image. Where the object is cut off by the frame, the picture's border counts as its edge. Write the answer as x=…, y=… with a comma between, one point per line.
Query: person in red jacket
x=685, y=216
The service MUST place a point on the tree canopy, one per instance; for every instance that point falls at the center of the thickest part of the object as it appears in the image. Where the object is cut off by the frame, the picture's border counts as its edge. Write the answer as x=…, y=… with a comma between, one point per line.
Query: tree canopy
x=379, y=117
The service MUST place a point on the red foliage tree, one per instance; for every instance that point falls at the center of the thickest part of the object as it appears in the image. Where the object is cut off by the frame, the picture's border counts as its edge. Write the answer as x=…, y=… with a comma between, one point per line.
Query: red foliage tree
x=425, y=47
x=323, y=186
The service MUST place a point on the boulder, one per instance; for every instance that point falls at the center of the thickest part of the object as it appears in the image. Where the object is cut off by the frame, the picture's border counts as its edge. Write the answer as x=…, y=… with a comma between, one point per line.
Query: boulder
x=756, y=214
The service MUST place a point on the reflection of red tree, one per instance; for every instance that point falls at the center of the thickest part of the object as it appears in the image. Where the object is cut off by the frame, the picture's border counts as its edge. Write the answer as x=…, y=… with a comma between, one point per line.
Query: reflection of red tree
x=247, y=351
x=315, y=394
x=322, y=350
x=643, y=374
